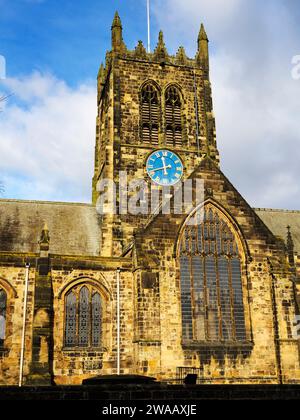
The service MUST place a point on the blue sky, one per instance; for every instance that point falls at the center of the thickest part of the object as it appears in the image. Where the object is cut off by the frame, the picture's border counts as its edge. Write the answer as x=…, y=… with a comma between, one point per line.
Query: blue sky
x=53, y=50
x=67, y=38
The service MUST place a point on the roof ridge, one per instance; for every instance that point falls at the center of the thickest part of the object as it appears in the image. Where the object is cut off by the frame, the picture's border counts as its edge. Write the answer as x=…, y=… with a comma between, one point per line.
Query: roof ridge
x=9, y=200
x=275, y=210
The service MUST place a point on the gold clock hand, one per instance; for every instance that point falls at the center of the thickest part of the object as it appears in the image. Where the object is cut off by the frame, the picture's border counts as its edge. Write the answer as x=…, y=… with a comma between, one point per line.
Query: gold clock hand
x=160, y=169
x=165, y=167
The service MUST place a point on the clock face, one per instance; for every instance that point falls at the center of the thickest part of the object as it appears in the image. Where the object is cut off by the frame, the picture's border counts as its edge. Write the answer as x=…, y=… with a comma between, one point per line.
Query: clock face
x=164, y=167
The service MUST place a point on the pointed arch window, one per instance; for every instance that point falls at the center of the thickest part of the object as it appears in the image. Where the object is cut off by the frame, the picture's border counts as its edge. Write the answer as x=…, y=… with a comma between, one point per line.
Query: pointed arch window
x=3, y=304
x=173, y=117
x=211, y=280
x=150, y=114
x=83, y=317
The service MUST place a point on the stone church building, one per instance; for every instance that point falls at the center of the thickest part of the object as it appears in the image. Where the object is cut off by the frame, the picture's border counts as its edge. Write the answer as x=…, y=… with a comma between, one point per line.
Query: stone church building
x=86, y=293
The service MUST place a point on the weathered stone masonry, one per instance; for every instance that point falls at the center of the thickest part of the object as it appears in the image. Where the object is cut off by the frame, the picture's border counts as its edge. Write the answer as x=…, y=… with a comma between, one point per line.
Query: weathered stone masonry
x=71, y=247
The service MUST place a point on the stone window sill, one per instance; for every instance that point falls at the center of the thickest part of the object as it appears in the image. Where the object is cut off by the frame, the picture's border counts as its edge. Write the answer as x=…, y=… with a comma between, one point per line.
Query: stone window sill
x=217, y=345
x=82, y=350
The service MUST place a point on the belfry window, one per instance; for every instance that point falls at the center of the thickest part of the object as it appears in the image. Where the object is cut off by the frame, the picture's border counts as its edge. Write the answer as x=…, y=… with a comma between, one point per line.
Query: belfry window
x=211, y=280
x=150, y=114
x=83, y=317
x=3, y=303
x=173, y=119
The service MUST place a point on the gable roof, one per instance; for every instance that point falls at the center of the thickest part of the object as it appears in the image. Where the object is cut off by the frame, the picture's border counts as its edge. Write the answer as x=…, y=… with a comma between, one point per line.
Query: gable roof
x=278, y=220
x=270, y=223
x=74, y=228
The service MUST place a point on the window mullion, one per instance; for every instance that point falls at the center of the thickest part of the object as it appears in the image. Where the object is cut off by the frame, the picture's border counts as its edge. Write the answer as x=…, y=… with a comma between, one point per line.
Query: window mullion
x=219, y=297
x=191, y=269
x=90, y=322
x=77, y=318
x=231, y=298
x=204, y=284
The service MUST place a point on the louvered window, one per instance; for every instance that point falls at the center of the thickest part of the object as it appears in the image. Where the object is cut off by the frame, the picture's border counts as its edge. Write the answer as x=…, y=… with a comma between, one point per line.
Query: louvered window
x=150, y=114
x=173, y=119
x=211, y=281
x=83, y=317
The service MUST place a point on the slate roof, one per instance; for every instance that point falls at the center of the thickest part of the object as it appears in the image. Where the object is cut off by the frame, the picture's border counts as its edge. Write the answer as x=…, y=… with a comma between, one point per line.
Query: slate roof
x=278, y=220
x=74, y=228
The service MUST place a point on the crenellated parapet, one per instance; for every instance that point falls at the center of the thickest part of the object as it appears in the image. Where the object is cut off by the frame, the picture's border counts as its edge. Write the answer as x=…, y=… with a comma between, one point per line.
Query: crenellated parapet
x=160, y=54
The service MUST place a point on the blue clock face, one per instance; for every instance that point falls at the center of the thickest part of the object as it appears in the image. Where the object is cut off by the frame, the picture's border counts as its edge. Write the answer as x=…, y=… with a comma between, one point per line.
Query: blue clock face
x=164, y=167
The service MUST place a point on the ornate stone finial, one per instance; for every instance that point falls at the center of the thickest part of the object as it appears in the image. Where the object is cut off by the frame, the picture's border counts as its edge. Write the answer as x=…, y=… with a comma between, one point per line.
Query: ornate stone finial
x=45, y=238
x=290, y=246
x=101, y=73
x=161, y=52
x=161, y=38
x=116, y=34
x=290, y=242
x=181, y=57
x=140, y=51
x=202, y=35
x=108, y=59
x=203, y=53
x=101, y=80
x=117, y=21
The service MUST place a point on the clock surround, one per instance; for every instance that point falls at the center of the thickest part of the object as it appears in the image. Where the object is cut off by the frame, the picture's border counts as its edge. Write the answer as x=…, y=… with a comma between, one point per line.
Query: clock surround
x=164, y=167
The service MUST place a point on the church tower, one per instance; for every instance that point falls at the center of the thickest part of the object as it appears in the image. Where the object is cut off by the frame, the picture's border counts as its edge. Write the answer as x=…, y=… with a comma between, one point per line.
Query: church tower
x=149, y=102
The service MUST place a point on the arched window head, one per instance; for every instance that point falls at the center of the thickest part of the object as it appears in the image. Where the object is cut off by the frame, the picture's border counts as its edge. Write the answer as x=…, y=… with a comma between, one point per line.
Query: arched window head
x=83, y=317
x=173, y=117
x=3, y=304
x=150, y=114
x=70, y=314
x=211, y=280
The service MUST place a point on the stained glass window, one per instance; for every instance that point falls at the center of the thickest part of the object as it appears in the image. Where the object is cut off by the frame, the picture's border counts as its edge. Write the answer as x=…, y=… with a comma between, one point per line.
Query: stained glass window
x=84, y=313
x=70, y=335
x=150, y=114
x=3, y=299
x=211, y=280
x=96, y=319
x=83, y=317
x=173, y=117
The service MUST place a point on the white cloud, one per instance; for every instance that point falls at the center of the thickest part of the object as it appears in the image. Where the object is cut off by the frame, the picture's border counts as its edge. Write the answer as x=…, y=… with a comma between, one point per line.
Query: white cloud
x=47, y=136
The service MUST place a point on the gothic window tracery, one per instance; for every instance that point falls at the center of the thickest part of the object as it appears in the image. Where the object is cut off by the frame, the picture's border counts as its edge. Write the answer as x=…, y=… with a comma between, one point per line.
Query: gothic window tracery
x=211, y=281
x=173, y=117
x=150, y=111
x=83, y=317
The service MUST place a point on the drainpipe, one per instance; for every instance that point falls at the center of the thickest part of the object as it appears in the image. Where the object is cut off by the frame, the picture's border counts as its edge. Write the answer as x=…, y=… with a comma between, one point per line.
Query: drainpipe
x=276, y=325
x=118, y=321
x=27, y=266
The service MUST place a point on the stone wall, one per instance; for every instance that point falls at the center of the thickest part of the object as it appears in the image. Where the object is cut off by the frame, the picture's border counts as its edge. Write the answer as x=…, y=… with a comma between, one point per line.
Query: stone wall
x=73, y=365
x=271, y=354
x=12, y=280
x=119, y=147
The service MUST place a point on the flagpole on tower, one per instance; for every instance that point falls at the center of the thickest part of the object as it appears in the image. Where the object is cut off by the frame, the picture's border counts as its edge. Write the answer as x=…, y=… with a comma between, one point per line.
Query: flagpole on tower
x=148, y=21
